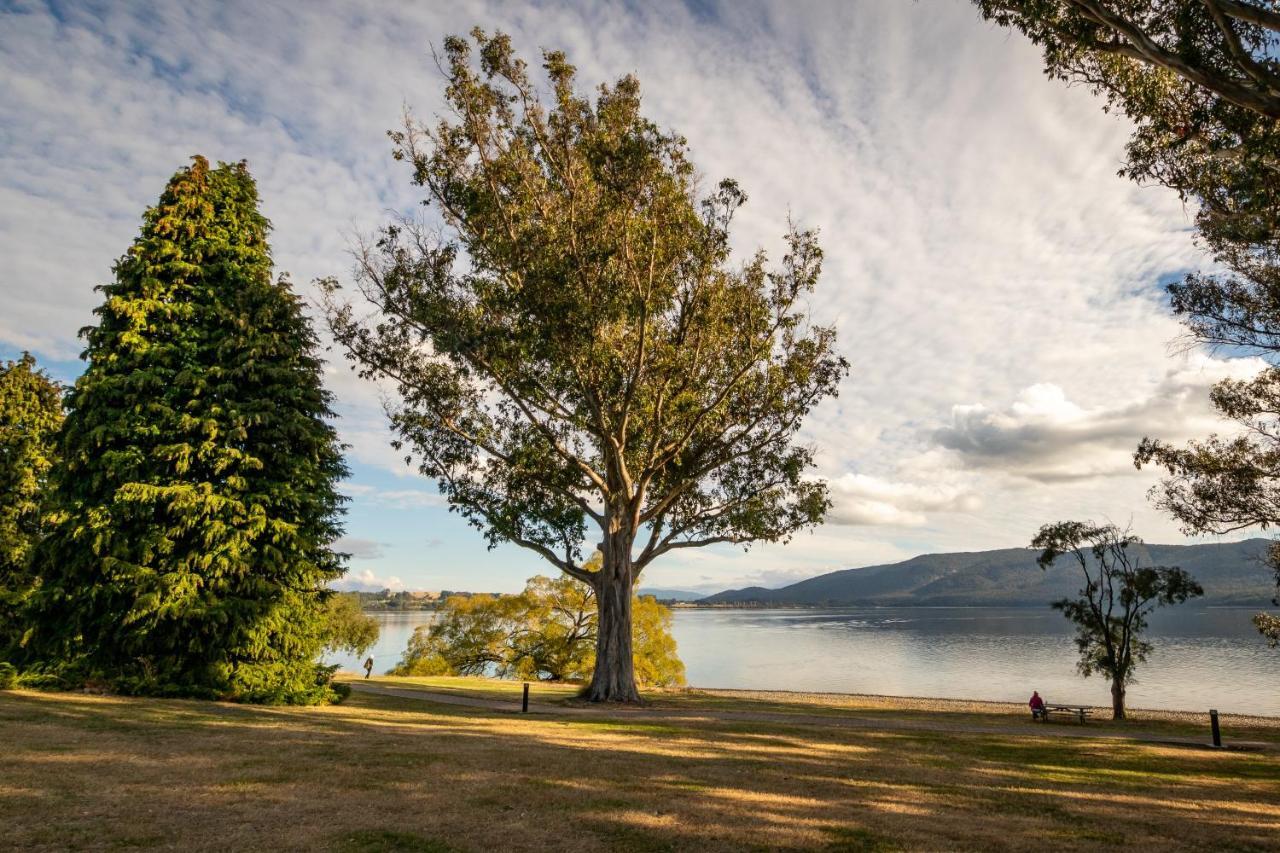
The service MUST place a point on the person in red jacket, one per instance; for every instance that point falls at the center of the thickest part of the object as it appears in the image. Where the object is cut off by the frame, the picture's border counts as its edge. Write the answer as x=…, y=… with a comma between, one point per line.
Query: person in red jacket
x=1037, y=705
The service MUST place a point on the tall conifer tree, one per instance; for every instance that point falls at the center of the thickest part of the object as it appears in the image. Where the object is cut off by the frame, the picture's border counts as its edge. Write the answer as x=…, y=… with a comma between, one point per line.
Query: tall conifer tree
x=198, y=480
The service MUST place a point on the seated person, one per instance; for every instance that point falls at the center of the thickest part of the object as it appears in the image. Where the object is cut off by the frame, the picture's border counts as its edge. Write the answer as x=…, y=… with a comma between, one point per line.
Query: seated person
x=1037, y=706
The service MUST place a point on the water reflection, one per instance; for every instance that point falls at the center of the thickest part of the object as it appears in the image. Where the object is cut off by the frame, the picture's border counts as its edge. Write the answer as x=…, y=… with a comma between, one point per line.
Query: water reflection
x=394, y=630
x=1203, y=658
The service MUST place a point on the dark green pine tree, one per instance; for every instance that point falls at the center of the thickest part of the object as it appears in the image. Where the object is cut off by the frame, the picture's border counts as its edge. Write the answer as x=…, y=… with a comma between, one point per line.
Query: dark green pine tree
x=198, y=475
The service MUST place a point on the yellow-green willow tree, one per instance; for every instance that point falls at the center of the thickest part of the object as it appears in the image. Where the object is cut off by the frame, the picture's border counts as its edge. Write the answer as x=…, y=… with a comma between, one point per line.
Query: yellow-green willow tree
x=547, y=632
x=576, y=349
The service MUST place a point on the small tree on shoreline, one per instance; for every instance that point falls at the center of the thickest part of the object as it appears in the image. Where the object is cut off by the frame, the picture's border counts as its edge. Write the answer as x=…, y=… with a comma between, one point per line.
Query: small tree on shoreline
x=347, y=628
x=1119, y=593
x=546, y=632
x=598, y=361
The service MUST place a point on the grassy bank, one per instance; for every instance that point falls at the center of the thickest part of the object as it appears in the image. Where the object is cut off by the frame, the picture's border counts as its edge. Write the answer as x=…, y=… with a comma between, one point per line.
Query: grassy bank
x=711, y=771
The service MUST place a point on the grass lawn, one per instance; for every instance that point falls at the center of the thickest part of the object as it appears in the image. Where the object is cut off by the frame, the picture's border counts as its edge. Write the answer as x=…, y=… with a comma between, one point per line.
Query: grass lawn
x=394, y=773
x=481, y=688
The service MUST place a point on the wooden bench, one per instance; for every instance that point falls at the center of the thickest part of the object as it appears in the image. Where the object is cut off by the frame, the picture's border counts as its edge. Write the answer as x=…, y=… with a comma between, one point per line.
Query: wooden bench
x=1080, y=712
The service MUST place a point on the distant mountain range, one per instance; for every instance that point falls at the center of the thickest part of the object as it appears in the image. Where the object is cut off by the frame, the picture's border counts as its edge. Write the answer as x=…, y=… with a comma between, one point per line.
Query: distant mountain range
x=1231, y=573
x=672, y=594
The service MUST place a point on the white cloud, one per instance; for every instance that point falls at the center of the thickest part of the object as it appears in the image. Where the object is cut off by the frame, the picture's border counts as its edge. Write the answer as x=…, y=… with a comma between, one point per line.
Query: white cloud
x=409, y=498
x=393, y=498
x=1045, y=436
x=768, y=578
x=860, y=499
x=366, y=581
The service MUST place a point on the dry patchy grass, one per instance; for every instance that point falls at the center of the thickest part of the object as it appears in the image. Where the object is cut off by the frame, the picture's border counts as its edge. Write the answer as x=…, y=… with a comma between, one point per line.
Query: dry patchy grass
x=481, y=688
x=389, y=773
x=766, y=705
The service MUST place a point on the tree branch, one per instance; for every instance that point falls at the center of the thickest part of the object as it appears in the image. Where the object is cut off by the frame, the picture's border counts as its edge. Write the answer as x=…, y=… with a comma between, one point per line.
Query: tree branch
x=1141, y=47
x=1249, y=12
x=1237, y=51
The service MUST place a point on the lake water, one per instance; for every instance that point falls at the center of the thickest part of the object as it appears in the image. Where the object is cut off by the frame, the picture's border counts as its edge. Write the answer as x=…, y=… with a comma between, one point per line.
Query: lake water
x=1204, y=657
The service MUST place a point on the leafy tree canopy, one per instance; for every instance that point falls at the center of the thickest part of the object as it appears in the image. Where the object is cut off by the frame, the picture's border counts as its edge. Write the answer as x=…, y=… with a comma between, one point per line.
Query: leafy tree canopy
x=1119, y=592
x=347, y=627
x=1269, y=627
x=197, y=482
x=30, y=417
x=546, y=632
x=578, y=348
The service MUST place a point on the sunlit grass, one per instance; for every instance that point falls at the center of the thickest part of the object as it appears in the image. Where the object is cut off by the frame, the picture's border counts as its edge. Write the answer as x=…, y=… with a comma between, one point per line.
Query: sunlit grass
x=757, y=704
x=482, y=688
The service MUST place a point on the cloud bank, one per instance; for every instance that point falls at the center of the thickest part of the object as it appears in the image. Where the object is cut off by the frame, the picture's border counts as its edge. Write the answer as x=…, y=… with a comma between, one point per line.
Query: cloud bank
x=1046, y=437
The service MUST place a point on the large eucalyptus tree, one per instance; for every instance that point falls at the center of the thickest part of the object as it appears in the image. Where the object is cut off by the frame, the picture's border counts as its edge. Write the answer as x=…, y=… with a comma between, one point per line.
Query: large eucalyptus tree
x=576, y=348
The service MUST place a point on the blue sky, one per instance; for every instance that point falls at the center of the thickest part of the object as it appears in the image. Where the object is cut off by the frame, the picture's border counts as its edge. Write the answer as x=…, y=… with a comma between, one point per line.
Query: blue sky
x=995, y=285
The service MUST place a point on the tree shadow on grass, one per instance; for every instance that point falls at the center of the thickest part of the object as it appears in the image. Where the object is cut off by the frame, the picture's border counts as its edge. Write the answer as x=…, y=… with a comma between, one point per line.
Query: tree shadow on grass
x=387, y=773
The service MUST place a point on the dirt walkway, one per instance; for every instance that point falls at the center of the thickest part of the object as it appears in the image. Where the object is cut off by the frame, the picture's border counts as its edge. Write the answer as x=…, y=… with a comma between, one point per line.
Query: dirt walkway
x=843, y=720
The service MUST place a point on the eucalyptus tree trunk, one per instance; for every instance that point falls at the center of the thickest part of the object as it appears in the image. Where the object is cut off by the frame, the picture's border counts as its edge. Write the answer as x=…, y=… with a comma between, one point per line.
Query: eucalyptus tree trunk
x=614, y=678
x=1117, y=699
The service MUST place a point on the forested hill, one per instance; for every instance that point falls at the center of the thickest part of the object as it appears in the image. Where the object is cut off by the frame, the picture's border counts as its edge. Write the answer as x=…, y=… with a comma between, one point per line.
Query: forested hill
x=1231, y=573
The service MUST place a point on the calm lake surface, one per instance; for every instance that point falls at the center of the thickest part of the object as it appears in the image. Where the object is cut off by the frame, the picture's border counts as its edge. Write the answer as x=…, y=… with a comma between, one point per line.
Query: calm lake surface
x=1204, y=657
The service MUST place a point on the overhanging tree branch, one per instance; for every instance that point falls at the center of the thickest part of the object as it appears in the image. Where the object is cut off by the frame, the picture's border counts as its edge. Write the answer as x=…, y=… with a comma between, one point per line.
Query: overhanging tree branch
x=1145, y=49
x=1248, y=12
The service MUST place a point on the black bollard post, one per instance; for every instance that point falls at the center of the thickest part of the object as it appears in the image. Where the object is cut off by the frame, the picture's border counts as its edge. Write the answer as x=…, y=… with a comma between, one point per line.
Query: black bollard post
x=524, y=706
x=1213, y=725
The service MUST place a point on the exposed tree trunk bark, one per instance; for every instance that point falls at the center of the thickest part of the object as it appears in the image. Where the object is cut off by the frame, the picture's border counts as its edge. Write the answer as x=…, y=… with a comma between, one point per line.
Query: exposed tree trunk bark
x=1117, y=699
x=614, y=679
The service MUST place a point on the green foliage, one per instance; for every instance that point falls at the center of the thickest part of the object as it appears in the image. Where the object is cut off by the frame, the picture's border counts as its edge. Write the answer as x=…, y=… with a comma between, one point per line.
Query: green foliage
x=547, y=632
x=598, y=360
x=468, y=636
x=385, y=599
x=30, y=417
x=1268, y=625
x=347, y=627
x=657, y=661
x=1119, y=592
x=8, y=676
x=1222, y=484
x=556, y=639
x=198, y=475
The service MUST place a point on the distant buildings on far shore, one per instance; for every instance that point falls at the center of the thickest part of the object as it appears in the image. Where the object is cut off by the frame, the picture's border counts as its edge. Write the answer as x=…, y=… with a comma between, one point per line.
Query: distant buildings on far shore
x=406, y=599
